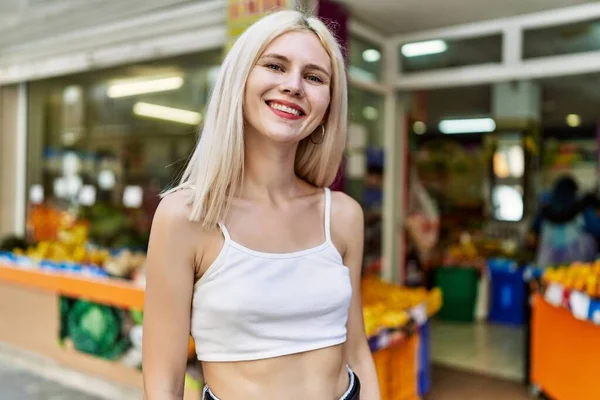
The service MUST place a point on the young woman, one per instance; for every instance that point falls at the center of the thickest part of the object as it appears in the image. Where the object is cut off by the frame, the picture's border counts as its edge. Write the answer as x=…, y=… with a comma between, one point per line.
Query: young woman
x=252, y=253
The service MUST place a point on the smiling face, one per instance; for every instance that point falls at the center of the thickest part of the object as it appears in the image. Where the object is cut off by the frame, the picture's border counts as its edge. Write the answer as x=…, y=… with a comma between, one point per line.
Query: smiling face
x=288, y=90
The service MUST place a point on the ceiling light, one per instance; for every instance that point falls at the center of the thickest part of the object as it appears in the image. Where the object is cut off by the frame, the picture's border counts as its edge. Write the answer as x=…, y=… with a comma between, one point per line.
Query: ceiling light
x=371, y=55
x=424, y=48
x=133, y=196
x=72, y=94
x=573, y=120
x=87, y=195
x=167, y=113
x=36, y=194
x=132, y=88
x=473, y=125
x=370, y=113
x=106, y=179
x=419, y=127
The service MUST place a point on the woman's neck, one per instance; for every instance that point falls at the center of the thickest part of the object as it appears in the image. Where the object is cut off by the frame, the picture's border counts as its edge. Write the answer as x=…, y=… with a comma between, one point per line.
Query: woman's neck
x=269, y=170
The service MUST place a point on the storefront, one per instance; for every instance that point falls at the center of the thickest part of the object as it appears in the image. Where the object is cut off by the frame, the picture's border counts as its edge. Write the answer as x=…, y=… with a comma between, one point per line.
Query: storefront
x=500, y=110
x=98, y=131
x=67, y=104
x=106, y=120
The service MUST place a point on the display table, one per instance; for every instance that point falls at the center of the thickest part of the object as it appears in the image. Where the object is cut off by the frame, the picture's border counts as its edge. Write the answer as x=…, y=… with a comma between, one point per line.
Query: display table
x=565, y=353
x=30, y=318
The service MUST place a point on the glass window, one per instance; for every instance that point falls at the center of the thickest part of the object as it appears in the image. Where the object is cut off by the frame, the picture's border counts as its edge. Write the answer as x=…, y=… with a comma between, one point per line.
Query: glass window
x=364, y=167
x=571, y=102
x=107, y=142
x=364, y=150
x=440, y=54
x=365, y=59
x=567, y=39
x=430, y=107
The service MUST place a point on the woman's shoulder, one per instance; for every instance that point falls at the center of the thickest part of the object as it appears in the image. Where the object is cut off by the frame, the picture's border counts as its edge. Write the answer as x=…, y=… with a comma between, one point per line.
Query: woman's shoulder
x=173, y=213
x=174, y=207
x=346, y=211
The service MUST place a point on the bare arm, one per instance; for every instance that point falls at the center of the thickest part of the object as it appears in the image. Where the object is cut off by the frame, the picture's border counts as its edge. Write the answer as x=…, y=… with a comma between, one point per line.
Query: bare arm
x=358, y=354
x=170, y=272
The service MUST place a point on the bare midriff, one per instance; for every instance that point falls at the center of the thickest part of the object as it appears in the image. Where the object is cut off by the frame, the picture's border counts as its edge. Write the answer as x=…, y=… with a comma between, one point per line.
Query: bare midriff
x=316, y=375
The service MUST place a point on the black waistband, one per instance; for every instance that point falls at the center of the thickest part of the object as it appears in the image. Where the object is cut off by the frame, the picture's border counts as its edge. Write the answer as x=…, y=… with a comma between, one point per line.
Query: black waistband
x=353, y=392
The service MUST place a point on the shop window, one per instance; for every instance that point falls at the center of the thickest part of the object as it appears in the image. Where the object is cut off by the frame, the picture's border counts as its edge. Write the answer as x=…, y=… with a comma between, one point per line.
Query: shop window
x=441, y=54
x=364, y=167
x=365, y=59
x=107, y=142
x=570, y=103
x=558, y=40
x=431, y=107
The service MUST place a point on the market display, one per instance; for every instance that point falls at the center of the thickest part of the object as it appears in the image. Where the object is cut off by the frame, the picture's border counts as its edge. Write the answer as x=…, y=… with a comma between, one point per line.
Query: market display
x=475, y=249
x=76, y=244
x=388, y=308
x=62, y=242
x=576, y=287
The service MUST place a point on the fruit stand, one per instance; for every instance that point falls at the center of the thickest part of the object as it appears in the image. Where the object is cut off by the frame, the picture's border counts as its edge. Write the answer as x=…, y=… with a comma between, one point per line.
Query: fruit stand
x=394, y=318
x=90, y=299
x=76, y=300
x=565, y=332
x=396, y=322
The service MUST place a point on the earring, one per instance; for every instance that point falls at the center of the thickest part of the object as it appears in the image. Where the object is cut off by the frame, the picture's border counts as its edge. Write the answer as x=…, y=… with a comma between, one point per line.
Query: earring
x=322, y=136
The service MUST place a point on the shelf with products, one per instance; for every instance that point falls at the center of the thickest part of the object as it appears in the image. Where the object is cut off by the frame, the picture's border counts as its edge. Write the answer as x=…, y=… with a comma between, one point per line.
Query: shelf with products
x=565, y=326
x=87, y=282
x=564, y=352
x=575, y=287
x=395, y=318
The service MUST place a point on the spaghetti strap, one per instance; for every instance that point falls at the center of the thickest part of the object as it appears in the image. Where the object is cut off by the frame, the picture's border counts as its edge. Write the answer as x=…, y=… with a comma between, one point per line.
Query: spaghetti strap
x=225, y=232
x=327, y=214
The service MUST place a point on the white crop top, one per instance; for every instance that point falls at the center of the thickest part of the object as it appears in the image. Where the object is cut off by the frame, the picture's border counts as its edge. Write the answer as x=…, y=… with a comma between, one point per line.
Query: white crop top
x=252, y=305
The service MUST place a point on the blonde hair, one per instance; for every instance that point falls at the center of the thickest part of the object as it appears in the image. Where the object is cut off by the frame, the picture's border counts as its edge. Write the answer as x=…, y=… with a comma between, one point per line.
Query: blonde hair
x=215, y=169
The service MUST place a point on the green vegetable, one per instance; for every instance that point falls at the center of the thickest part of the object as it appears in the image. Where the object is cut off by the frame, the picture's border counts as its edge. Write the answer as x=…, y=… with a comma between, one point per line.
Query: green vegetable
x=137, y=316
x=96, y=329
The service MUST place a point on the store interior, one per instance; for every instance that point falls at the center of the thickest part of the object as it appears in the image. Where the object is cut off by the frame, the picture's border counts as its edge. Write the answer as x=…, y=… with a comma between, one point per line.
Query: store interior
x=480, y=157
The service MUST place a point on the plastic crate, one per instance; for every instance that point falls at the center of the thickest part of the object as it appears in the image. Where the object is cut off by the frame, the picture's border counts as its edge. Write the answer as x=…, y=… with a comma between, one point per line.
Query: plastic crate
x=459, y=288
x=507, y=293
x=382, y=365
x=424, y=362
x=403, y=370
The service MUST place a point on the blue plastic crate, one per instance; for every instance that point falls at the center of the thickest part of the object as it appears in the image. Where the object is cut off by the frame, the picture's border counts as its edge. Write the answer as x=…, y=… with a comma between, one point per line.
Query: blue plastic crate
x=424, y=364
x=507, y=293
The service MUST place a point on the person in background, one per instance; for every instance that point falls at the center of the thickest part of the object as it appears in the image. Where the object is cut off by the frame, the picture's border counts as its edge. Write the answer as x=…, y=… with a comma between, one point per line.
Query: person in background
x=566, y=228
x=252, y=253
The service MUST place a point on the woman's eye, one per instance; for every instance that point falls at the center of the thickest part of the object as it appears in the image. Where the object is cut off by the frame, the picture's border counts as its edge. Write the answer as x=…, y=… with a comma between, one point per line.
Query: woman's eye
x=274, y=67
x=314, y=78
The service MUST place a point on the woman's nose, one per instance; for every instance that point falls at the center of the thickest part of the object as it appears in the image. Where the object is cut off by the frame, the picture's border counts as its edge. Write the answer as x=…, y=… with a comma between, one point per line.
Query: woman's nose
x=293, y=85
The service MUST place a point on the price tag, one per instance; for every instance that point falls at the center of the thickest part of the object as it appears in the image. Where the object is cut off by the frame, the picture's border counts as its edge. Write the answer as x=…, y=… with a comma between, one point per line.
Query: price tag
x=580, y=305
x=554, y=294
x=419, y=314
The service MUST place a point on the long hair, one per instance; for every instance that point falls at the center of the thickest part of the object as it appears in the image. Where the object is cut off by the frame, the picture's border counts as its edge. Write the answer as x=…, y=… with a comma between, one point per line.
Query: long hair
x=216, y=167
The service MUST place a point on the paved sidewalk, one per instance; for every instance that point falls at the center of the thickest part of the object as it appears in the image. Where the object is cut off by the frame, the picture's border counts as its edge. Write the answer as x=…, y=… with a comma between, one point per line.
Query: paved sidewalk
x=17, y=384
x=25, y=376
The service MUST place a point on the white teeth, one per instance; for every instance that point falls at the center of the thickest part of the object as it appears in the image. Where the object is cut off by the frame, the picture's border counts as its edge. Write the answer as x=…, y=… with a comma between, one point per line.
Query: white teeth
x=283, y=108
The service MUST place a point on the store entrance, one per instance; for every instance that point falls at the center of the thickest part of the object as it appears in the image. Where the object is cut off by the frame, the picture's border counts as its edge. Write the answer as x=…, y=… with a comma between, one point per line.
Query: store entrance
x=479, y=182
x=492, y=179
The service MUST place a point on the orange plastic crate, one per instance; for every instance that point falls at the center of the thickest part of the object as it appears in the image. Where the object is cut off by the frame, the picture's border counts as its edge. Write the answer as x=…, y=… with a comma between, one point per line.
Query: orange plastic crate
x=397, y=370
